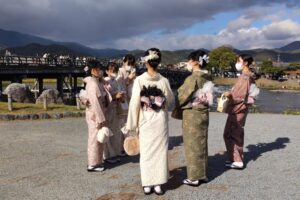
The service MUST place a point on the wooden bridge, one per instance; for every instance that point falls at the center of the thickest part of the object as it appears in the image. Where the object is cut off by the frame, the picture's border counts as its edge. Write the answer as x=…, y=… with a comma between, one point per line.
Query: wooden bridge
x=65, y=71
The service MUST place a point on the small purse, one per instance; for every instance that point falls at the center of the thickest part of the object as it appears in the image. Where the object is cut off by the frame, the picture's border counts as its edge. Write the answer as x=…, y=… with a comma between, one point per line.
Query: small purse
x=132, y=144
x=103, y=135
x=177, y=112
x=122, y=108
x=222, y=104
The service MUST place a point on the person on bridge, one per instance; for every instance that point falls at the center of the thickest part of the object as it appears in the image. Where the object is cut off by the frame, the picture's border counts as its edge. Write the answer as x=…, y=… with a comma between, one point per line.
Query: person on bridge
x=113, y=147
x=97, y=101
x=237, y=110
x=151, y=96
x=195, y=118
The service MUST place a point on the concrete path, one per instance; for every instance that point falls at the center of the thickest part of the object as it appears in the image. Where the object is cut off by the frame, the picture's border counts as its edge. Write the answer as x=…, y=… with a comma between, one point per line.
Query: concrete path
x=47, y=160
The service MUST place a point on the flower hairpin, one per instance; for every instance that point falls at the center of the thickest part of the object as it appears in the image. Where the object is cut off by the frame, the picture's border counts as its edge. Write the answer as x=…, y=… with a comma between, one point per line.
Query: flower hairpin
x=203, y=58
x=152, y=55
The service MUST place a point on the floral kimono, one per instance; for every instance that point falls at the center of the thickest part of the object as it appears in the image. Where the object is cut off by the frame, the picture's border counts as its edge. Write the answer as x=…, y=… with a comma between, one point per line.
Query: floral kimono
x=195, y=105
x=237, y=114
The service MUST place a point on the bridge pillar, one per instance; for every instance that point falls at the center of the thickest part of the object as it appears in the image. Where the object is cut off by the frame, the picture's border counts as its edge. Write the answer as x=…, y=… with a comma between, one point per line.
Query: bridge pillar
x=75, y=86
x=1, y=87
x=59, y=86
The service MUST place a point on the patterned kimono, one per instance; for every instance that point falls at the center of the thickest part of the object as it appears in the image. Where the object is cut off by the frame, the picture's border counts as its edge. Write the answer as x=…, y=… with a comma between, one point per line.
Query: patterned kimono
x=98, y=99
x=153, y=130
x=195, y=126
x=237, y=114
x=113, y=146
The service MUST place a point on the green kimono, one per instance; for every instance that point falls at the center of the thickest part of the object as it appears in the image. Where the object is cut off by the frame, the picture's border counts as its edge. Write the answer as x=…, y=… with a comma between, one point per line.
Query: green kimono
x=195, y=126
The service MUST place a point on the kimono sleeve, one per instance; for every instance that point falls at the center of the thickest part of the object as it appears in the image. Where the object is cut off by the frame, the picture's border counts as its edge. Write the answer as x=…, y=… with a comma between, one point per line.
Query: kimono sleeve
x=94, y=95
x=134, y=107
x=168, y=93
x=186, y=91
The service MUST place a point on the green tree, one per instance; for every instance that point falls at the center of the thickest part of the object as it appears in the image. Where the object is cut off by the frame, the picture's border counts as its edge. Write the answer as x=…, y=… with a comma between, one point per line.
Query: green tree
x=268, y=68
x=222, y=58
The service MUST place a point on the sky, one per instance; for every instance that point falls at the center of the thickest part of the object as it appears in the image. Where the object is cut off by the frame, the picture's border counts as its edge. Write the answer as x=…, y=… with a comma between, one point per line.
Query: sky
x=165, y=24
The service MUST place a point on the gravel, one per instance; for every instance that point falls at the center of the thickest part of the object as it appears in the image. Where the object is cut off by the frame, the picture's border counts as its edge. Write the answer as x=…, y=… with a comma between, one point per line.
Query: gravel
x=46, y=159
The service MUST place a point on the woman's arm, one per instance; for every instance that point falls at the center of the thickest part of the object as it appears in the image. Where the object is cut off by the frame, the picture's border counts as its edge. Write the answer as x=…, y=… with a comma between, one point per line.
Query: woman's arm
x=96, y=106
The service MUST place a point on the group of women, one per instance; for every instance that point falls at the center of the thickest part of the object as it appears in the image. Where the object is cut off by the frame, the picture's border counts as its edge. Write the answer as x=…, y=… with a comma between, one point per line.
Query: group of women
x=149, y=96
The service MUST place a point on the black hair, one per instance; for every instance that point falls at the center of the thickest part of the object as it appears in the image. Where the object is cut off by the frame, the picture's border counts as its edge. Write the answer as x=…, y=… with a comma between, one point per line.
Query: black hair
x=111, y=65
x=246, y=58
x=92, y=64
x=154, y=62
x=195, y=55
x=130, y=59
x=249, y=59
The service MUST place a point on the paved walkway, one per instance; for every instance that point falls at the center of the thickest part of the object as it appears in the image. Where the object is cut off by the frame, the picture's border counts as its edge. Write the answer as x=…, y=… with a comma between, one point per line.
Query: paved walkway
x=47, y=160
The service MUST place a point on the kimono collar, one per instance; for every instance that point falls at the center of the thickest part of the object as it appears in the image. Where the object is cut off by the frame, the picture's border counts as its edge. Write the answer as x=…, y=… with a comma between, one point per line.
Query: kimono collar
x=156, y=77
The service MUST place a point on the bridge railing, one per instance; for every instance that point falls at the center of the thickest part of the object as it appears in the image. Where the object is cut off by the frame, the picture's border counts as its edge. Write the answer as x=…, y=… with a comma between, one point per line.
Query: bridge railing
x=36, y=61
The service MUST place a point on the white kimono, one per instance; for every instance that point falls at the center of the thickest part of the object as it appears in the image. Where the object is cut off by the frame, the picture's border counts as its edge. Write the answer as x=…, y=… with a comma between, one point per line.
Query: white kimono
x=153, y=130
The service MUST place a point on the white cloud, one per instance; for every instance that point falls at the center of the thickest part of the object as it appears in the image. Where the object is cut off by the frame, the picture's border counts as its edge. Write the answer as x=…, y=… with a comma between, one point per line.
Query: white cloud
x=102, y=22
x=273, y=35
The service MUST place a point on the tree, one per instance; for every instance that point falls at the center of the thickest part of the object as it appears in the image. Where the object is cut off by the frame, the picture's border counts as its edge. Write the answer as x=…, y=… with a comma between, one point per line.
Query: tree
x=222, y=58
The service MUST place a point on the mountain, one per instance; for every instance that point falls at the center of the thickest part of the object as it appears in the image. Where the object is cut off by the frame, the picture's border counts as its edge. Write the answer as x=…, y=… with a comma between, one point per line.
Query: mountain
x=294, y=46
x=24, y=44
x=14, y=39
x=38, y=49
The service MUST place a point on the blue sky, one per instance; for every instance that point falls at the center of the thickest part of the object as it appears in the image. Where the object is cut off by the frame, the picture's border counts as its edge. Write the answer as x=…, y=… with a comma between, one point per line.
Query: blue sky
x=169, y=24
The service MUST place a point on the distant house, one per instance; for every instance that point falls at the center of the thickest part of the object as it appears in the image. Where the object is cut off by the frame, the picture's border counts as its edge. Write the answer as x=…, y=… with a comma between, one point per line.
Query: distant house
x=293, y=74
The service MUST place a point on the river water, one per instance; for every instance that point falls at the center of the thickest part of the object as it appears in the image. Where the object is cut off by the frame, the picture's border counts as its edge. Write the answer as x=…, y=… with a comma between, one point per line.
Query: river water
x=272, y=101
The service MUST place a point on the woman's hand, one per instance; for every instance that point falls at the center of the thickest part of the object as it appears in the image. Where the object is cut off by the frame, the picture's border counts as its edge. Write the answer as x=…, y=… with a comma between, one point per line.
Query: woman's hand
x=120, y=95
x=103, y=124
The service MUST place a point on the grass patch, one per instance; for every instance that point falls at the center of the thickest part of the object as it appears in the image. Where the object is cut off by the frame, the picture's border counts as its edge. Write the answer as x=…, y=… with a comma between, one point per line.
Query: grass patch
x=27, y=108
x=292, y=112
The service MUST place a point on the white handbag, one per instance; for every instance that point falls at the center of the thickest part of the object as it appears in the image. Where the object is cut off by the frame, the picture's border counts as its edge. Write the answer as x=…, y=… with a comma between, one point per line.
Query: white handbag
x=222, y=103
x=103, y=134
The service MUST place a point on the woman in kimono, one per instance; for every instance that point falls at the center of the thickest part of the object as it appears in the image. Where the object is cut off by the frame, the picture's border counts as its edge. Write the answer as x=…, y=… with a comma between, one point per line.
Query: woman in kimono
x=97, y=100
x=195, y=118
x=126, y=76
x=113, y=147
x=239, y=101
x=148, y=114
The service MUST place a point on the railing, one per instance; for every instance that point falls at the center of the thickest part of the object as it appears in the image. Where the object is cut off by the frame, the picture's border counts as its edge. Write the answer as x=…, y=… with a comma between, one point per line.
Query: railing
x=35, y=61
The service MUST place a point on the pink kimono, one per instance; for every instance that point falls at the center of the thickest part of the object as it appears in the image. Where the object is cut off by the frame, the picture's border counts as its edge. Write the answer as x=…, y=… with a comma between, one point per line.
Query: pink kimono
x=97, y=102
x=237, y=114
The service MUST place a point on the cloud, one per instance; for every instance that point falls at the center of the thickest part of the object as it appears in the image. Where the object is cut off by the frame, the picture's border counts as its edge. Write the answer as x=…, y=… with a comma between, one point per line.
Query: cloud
x=275, y=34
x=103, y=22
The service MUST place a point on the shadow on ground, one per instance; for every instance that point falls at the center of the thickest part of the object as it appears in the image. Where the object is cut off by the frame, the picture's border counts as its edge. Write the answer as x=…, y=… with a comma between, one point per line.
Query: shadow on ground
x=216, y=162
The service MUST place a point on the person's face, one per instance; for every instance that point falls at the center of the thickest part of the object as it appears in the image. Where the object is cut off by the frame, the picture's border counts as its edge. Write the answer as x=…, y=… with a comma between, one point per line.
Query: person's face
x=241, y=62
x=111, y=72
x=96, y=72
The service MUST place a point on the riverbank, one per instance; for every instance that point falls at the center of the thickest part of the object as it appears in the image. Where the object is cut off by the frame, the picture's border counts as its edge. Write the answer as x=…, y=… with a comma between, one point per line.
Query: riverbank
x=263, y=83
x=25, y=111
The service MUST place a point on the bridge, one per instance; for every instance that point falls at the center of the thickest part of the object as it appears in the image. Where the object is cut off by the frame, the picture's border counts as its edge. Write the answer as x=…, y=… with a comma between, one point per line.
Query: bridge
x=65, y=71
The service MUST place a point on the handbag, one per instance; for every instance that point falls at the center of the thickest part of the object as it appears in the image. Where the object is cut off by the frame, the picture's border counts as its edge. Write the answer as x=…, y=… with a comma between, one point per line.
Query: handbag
x=177, y=112
x=122, y=108
x=103, y=134
x=132, y=144
x=223, y=102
